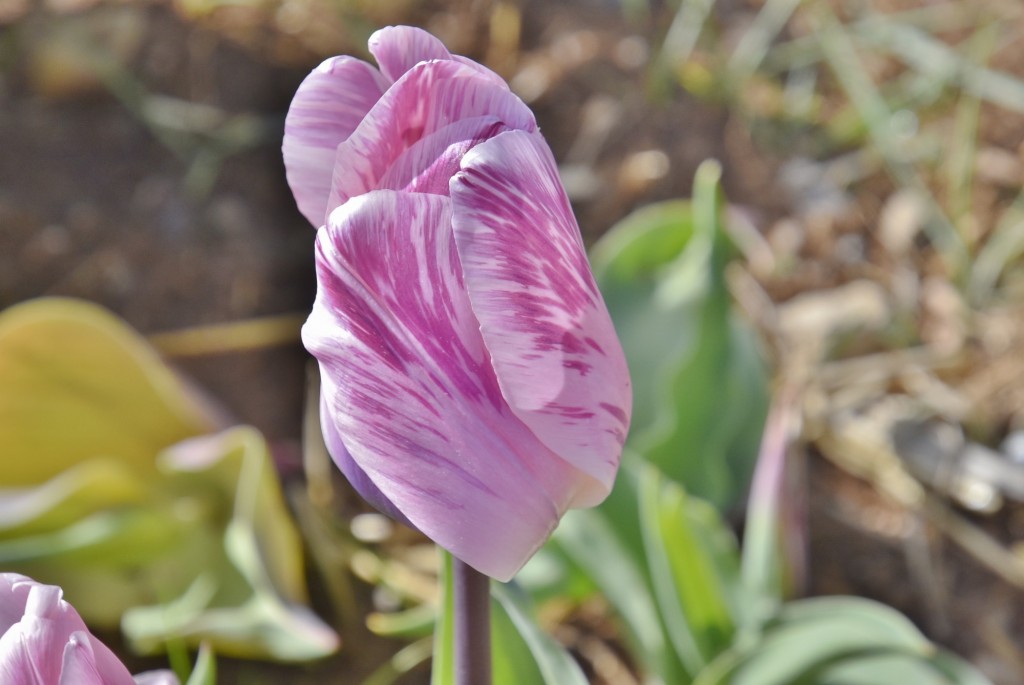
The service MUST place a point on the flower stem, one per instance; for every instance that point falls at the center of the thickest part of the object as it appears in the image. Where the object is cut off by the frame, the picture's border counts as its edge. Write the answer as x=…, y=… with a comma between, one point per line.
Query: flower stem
x=472, y=595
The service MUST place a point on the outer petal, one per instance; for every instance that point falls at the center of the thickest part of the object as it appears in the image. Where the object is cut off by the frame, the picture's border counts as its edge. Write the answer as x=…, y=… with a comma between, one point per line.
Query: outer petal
x=429, y=97
x=47, y=637
x=398, y=49
x=352, y=471
x=551, y=340
x=407, y=382
x=327, y=108
x=429, y=164
x=79, y=665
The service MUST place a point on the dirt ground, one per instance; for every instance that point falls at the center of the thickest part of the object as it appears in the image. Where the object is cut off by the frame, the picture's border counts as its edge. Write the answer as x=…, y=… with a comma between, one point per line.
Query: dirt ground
x=178, y=217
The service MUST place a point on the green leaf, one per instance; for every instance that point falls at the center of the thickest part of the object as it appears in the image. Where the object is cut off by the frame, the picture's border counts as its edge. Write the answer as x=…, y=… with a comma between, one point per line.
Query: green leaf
x=689, y=584
x=811, y=635
x=555, y=665
x=886, y=669
x=512, y=660
x=699, y=384
x=248, y=602
x=79, y=384
x=587, y=538
x=205, y=670
x=443, y=667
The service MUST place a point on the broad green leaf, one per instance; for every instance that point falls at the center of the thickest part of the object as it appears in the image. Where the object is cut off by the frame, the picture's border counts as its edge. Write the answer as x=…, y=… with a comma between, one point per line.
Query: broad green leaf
x=811, y=635
x=699, y=383
x=249, y=600
x=236, y=468
x=555, y=665
x=79, y=384
x=442, y=670
x=887, y=669
x=84, y=489
x=690, y=589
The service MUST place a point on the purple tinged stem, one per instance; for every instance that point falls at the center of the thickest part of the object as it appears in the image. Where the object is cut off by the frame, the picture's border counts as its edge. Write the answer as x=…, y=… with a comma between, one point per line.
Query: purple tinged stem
x=472, y=595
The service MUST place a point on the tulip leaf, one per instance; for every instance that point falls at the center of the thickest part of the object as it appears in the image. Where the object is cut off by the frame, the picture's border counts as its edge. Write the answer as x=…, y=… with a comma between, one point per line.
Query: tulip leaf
x=248, y=603
x=553, y=663
x=885, y=669
x=83, y=489
x=512, y=661
x=588, y=540
x=686, y=573
x=79, y=384
x=811, y=635
x=205, y=670
x=700, y=389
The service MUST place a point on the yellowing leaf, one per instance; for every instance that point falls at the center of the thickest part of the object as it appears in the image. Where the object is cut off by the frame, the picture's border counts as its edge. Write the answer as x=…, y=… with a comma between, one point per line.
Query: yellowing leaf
x=77, y=383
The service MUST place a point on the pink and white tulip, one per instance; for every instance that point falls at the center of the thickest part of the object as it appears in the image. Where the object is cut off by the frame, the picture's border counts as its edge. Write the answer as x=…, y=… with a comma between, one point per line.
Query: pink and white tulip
x=472, y=382
x=43, y=641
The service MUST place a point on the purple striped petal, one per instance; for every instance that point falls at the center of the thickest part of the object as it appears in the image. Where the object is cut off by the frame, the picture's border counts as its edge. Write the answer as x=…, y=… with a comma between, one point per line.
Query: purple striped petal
x=428, y=165
x=551, y=340
x=327, y=108
x=351, y=470
x=427, y=98
x=398, y=49
x=408, y=383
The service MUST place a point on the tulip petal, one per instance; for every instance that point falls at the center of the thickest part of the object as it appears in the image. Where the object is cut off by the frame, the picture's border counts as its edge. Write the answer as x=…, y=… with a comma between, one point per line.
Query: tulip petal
x=352, y=471
x=398, y=49
x=427, y=98
x=407, y=382
x=429, y=164
x=554, y=350
x=79, y=665
x=327, y=108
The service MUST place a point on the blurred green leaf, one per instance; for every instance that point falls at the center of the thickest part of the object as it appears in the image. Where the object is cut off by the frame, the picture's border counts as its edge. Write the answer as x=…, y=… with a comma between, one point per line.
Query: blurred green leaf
x=589, y=539
x=689, y=585
x=109, y=493
x=812, y=634
x=205, y=670
x=249, y=603
x=79, y=384
x=554, y=664
x=699, y=384
x=887, y=669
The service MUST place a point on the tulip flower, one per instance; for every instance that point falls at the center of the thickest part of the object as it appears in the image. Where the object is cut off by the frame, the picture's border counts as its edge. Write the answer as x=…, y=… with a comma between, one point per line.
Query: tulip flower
x=472, y=383
x=43, y=641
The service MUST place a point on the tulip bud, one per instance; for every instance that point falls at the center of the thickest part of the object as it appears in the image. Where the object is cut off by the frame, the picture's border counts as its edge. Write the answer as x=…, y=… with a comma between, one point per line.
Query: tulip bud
x=43, y=641
x=472, y=383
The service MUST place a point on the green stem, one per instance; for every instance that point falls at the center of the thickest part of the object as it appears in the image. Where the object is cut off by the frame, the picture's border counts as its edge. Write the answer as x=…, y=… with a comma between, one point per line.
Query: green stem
x=472, y=595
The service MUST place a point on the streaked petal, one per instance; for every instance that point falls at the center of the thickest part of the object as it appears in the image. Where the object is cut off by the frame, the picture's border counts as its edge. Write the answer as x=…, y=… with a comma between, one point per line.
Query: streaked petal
x=327, y=108
x=408, y=383
x=428, y=165
x=551, y=340
x=427, y=98
x=398, y=49
x=351, y=470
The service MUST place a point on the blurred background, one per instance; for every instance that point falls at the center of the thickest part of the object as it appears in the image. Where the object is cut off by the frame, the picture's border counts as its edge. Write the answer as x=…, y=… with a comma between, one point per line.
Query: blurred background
x=873, y=162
